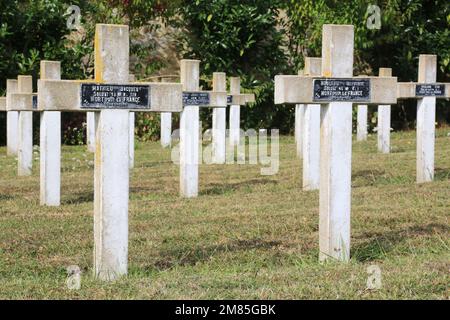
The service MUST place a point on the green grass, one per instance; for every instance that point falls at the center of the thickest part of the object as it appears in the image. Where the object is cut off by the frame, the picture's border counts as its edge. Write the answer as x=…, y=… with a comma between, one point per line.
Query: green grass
x=246, y=236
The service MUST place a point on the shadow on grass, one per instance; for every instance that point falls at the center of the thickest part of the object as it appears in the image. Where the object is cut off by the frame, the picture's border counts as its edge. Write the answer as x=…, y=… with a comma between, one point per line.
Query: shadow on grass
x=153, y=164
x=379, y=244
x=79, y=198
x=442, y=174
x=6, y=197
x=219, y=188
x=364, y=178
x=190, y=257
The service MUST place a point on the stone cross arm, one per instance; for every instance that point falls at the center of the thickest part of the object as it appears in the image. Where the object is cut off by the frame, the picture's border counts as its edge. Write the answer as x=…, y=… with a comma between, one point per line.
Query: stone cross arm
x=293, y=89
x=413, y=90
x=75, y=95
x=240, y=99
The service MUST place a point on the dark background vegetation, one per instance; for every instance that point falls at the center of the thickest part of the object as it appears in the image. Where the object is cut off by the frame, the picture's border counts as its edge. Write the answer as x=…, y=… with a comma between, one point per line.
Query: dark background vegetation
x=253, y=39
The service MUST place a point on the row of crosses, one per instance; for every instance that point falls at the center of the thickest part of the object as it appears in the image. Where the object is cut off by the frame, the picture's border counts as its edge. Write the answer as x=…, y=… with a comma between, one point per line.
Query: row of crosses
x=112, y=97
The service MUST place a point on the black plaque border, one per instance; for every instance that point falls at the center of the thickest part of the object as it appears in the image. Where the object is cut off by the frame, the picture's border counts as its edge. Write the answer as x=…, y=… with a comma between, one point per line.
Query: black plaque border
x=202, y=102
x=430, y=95
x=329, y=99
x=129, y=106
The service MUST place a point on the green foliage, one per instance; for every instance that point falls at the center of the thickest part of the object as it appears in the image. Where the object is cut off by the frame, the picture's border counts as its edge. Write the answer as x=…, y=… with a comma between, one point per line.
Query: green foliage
x=147, y=126
x=408, y=28
x=240, y=38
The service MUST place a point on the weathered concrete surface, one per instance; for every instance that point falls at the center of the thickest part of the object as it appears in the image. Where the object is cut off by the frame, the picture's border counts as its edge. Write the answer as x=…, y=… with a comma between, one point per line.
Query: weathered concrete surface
x=311, y=132
x=361, y=127
x=50, y=144
x=189, y=131
x=111, y=169
x=131, y=141
x=426, y=117
x=219, y=121
x=384, y=120
x=64, y=95
x=25, y=142
x=166, y=129
x=299, y=124
x=336, y=148
x=235, y=113
x=291, y=89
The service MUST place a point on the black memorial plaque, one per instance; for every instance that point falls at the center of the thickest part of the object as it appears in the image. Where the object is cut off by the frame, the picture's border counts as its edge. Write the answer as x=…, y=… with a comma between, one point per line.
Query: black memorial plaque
x=114, y=96
x=341, y=90
x=430, y=90
x=196, y=99
x=34, y=104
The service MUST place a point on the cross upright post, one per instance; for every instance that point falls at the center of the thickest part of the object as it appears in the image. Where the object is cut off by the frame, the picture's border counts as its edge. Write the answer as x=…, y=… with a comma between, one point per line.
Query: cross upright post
x=384, y=119
x=219, y=118
x=426, y=91
x=50, y=144
x=166, y=125
x=190, y=141
x=311, y=132
x=22, y=102
x=298, y=125
x=361, y=122
x=25, y=143
x=235, y=113
x=189, y=131
x=336, y=91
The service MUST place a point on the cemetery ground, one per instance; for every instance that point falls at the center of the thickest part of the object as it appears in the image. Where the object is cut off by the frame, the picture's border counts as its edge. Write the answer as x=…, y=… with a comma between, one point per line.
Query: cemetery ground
x=246, y=236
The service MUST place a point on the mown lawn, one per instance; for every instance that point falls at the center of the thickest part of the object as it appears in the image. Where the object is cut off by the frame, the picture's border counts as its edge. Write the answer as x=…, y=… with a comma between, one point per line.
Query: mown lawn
x=246, y=236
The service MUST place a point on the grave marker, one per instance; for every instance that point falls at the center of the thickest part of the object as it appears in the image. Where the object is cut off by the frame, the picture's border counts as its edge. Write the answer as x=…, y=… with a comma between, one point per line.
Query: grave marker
x=426, y=90
x=235, y=99
x=12, y=120
x=336, y=90
x=111, y=99
x=22, y=102
x=189, y=123
x=384, y=119
x=50, y=144
x=219, y=118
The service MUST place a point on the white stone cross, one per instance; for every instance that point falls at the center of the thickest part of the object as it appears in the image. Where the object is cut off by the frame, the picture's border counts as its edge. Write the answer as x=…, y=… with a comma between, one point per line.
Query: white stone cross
x=235, y=103
x=336, y=91
x=111, y=97
x=426, y=90
x=50, y=144
x=189, y=123
x=22, y=102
